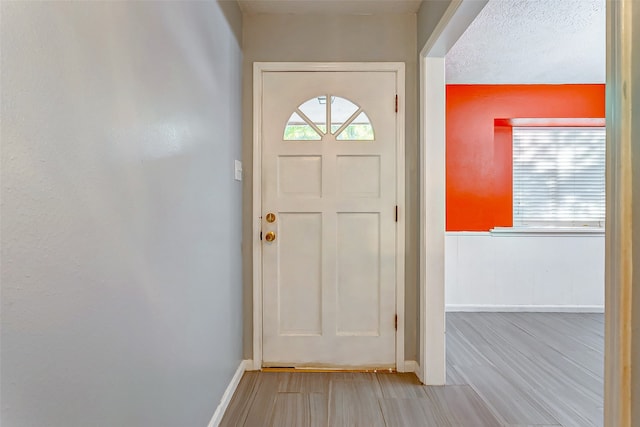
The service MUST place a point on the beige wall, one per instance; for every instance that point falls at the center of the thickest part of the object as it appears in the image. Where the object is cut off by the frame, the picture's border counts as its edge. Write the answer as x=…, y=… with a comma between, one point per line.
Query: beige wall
x=346, y=38
x=429, y=16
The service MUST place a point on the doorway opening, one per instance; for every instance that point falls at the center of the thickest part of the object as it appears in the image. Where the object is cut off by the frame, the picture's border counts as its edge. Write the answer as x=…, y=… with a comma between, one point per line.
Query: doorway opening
x=433, y=297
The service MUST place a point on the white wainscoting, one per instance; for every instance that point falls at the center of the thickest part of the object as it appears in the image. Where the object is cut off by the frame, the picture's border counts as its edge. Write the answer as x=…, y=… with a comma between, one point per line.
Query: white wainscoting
x=524, y=272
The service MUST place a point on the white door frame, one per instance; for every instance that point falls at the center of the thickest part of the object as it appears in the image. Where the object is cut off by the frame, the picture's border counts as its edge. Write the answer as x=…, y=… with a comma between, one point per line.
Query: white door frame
x=456, y=19
x=259, y=68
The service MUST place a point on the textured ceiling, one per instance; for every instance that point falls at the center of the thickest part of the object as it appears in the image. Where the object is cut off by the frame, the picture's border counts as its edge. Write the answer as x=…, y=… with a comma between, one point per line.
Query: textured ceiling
x=532, y=41
x=330, y=7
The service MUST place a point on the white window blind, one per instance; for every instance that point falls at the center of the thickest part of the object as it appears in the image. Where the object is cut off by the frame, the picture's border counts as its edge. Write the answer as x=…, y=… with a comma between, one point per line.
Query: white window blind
x=558, y=176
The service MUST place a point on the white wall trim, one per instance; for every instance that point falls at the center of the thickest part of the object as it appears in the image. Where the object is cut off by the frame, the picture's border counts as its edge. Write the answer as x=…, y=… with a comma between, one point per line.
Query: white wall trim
x=256, y=218
x=524, y=270
x=452, y=25
x=545, y=231
x=525, y=308
x=228, y=393
x=259, y=68
x=411, y=366
x=468, y=233
x=454, y=22
x=537, y=232
x=401, y=224
x=249, y=365
x=436, y=45
x=432, y=223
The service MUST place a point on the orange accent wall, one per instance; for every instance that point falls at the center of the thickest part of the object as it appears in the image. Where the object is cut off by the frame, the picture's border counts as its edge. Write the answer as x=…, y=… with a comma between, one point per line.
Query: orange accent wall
x=479, y=156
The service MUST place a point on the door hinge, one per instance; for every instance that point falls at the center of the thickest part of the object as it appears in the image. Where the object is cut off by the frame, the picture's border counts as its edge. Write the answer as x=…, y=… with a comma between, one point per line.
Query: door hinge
x=396, y=103
x=261, y=235
x=396, y=322
x=396, y=213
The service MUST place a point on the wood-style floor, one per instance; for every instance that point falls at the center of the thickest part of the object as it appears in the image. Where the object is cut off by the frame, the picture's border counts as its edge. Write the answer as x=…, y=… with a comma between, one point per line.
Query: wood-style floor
x=503, y=369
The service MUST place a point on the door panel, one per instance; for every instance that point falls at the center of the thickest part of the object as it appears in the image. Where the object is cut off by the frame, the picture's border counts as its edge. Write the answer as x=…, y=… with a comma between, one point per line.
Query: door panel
x=358, y=176
x=300, y=268
x=358, y=274
x=300, y=176
x=329, y=274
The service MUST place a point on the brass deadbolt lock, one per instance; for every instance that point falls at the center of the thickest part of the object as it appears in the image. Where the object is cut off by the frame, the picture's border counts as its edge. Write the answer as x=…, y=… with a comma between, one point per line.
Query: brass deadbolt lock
x=271, y=217
x=270, y=236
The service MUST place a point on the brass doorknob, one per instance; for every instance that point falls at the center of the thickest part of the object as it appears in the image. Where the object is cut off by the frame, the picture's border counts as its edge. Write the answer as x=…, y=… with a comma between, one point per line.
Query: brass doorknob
x=270, y=236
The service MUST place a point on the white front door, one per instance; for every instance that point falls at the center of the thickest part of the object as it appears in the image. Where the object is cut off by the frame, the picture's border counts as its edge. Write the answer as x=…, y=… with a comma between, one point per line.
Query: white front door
x=329, y=195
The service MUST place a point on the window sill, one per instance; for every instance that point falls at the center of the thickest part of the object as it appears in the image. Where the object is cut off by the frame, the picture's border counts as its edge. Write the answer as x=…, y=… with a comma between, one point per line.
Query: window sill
x=547, y=231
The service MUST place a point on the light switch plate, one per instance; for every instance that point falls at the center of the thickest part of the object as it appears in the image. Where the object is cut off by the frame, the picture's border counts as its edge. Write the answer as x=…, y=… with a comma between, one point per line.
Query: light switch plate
x=237, y=168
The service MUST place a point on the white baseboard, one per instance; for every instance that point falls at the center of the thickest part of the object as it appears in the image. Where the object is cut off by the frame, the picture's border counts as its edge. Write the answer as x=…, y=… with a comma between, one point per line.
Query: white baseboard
x=526, y=308
x=410, y=366
x=413, y=366
x=228, y=393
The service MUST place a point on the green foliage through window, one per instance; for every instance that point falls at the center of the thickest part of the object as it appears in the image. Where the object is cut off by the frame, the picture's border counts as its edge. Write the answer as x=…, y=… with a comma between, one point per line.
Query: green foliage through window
x=300, y=133
x=311, y=124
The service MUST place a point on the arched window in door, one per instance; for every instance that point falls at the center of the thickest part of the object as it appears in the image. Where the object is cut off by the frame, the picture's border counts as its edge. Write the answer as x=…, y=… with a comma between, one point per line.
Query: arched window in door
x=348, y=121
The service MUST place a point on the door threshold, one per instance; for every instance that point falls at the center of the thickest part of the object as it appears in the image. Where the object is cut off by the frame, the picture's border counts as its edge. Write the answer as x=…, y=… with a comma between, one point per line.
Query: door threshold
x=328, y=370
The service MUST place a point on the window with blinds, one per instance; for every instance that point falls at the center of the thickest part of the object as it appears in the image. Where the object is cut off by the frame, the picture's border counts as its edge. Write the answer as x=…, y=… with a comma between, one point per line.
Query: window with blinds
x=558, y=176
